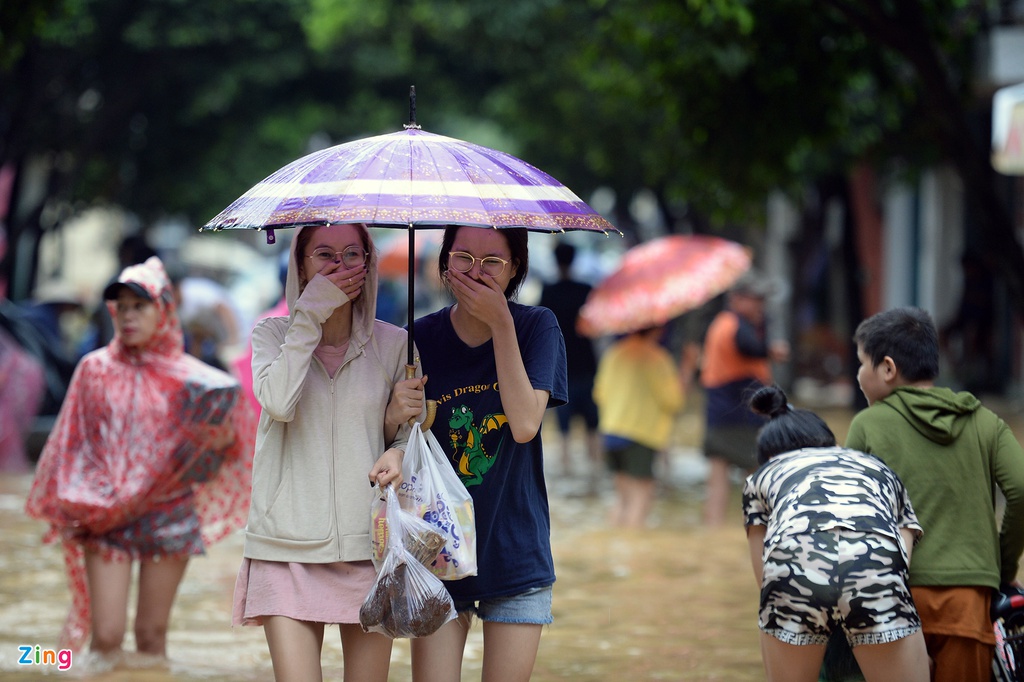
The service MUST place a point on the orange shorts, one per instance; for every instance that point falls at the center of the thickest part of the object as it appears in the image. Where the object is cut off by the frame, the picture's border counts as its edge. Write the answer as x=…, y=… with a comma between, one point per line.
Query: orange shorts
x=957, y=631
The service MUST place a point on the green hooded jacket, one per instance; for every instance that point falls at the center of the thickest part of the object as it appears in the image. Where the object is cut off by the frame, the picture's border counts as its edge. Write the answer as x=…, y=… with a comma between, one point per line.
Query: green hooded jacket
x=951, y=454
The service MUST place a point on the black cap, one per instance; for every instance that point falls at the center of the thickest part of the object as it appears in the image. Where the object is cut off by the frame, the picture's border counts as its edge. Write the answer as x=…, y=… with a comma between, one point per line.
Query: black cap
x=114, y=288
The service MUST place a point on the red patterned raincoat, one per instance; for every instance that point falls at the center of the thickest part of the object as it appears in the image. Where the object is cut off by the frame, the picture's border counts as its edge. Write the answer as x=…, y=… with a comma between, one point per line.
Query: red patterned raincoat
x=150, y=456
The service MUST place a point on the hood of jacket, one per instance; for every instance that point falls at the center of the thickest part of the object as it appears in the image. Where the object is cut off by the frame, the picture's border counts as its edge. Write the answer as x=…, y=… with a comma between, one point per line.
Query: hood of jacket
x=936, y=413
x=364, y=308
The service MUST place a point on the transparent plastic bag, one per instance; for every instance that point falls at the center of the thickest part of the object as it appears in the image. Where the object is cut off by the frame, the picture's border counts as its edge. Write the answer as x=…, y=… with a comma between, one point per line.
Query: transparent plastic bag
x=432, y=491
x=422, y=540
x=406, y=599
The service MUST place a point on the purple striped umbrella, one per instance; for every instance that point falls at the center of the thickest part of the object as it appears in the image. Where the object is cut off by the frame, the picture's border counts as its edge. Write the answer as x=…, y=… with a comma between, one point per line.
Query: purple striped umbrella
x=408, y=178
x=413, y=180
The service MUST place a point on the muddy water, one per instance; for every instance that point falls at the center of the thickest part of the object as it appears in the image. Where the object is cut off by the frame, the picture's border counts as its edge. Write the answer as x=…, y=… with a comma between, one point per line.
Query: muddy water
x=673, y=602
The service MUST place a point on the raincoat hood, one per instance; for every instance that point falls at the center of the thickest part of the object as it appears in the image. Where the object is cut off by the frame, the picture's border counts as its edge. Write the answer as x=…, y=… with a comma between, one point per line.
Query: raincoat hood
x=364, y=308
x=938, y=414
x=168, y=341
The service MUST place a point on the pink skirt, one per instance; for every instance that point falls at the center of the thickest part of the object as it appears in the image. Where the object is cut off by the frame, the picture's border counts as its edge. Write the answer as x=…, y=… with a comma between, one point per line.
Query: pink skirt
x=317, y=593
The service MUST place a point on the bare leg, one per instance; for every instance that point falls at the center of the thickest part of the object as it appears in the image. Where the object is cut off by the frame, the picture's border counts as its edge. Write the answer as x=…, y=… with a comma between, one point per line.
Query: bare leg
x=108, y=593
x=566, y=448
x=905, y=660
x=438, y=658
x=510, y=651
x=716, y=492
x=595, y=459
x=158, y=584
x=367, y=655
x=617, y=514
x=789, y=662
x=295, y=647
x=639, y=501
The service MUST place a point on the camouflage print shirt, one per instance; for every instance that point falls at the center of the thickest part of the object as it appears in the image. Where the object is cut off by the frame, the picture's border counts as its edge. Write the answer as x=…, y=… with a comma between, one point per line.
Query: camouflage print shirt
x=816, y=489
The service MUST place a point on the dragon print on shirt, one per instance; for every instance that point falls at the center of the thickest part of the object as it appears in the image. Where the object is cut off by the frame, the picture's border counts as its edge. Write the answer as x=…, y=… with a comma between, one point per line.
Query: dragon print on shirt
x=472, y=456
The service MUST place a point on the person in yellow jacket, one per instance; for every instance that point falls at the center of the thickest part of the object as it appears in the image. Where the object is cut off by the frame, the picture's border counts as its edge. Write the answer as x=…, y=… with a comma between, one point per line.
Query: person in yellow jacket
x=638, y=395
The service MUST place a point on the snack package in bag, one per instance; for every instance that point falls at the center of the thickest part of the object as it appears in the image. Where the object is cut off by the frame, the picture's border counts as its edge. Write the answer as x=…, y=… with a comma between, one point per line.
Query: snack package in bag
x=432, y=491
x=406, y=599
x=422, y=540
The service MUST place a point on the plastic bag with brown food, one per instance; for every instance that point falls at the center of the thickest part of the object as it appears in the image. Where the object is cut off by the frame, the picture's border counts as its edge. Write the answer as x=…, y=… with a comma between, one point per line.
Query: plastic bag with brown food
x=406, y=600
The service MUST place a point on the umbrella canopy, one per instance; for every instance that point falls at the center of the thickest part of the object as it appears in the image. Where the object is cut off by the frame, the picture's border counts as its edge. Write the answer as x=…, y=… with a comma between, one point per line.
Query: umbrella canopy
x=410, y=179
x=662, y=279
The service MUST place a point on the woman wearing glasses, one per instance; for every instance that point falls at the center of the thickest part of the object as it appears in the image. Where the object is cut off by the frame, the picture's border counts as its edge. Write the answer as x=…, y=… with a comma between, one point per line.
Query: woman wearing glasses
x=323, y=377
x=494, y=367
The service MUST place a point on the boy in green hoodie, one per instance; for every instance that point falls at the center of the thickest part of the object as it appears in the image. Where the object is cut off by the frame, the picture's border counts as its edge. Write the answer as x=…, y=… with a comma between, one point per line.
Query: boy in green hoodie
x=951, y=454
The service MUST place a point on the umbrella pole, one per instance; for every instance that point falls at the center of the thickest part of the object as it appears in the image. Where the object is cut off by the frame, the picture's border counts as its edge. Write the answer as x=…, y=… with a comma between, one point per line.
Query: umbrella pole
x=412, y=291
x=410, y=363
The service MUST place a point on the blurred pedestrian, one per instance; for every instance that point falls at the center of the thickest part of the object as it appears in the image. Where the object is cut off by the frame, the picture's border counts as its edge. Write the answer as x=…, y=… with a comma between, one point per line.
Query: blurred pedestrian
x=736, y=362
x=148, y=462
x=22, y=384
x=638, y=395
x=953, y=454
x=211, y=319
x=323, y=376
x=564, y=298
x=831, y=534
x=494, y=367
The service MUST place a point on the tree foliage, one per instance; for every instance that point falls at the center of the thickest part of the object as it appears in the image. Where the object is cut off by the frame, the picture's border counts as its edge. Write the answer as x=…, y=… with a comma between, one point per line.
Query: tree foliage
x=177, y=106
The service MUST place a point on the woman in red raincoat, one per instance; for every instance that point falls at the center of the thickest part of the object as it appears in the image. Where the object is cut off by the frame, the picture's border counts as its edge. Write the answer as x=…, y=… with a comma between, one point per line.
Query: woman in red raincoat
x=150, y=460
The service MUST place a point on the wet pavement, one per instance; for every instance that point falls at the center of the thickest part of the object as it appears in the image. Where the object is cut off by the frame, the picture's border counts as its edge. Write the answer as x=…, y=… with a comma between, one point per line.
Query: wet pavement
x=674, y=601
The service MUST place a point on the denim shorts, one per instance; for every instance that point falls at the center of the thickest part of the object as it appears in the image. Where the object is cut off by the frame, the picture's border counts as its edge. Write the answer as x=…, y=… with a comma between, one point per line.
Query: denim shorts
x=532, y=607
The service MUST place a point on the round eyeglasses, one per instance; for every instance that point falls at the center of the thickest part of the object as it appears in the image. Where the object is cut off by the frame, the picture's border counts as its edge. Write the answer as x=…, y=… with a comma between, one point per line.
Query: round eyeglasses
x=351, y=257
x=492, y=266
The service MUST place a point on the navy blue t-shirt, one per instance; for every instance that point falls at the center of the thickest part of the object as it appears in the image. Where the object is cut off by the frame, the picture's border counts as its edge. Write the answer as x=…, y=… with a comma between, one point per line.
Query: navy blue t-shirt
x=505, y=478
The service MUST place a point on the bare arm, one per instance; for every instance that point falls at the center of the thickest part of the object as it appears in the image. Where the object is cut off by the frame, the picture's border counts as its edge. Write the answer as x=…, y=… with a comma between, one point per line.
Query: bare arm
x=387, y=469
x=909, y=535
x=407, y=401
x=523, y=405
x=755, y=540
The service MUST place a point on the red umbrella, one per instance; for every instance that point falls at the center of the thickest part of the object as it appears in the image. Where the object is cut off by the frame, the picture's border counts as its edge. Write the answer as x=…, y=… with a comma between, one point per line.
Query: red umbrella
x=662, y=279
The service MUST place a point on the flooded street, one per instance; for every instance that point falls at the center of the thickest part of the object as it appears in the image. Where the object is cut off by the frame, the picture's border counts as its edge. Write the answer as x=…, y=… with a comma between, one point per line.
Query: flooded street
x=672, y=602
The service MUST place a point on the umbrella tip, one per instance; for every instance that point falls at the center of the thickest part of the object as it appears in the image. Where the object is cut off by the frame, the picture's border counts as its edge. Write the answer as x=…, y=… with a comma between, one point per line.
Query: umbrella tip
x=412, y=110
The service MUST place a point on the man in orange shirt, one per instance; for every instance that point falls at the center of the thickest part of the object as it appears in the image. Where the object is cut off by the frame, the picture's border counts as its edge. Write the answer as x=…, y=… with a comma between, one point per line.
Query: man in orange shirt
x=737, y=361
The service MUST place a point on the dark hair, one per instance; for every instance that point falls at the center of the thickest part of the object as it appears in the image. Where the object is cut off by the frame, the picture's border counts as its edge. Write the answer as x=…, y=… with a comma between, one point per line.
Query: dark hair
x=908, y=336
x=788, y=428
x=564, y=254
x=518, y=239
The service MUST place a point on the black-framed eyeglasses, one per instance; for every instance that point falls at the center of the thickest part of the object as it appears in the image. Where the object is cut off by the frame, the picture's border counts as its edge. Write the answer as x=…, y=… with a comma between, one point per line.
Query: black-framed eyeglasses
x=492, y=266
x=351, y=257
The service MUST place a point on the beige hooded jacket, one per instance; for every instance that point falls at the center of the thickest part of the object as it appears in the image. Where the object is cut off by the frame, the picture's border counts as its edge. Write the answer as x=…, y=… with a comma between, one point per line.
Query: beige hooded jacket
x=319, y=435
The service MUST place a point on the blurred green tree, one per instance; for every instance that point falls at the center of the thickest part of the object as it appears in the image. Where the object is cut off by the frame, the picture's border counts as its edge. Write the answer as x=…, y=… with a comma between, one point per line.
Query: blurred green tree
x=176, y=107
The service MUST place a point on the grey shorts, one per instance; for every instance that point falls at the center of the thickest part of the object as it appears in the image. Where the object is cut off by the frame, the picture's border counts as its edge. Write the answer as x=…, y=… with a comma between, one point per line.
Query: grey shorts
x=633, y=460
x=817, y=582
x=532, y=607
x=735, y=444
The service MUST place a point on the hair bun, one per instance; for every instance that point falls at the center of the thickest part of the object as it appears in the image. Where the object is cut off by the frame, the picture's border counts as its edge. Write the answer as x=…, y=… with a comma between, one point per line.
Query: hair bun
x=770, y=401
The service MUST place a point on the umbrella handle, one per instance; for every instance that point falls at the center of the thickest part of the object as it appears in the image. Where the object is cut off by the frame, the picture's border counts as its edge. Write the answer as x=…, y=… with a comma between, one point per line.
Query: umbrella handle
x=410, y=373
